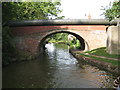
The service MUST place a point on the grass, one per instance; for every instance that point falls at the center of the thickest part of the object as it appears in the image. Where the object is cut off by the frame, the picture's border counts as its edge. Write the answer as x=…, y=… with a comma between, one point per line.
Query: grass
x=114, y=62
x=102, y=52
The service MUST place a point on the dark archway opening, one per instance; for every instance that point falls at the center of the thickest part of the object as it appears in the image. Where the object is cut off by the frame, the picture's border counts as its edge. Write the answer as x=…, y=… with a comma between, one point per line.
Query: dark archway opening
x=44, y=41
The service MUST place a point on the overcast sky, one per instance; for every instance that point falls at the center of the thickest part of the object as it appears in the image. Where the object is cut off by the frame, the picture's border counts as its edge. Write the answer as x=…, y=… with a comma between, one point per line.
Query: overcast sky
x=77, y=9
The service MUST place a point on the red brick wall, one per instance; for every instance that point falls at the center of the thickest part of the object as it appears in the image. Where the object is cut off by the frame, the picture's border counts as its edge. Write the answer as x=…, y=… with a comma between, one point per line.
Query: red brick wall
x=27, y=38
x=33, y=29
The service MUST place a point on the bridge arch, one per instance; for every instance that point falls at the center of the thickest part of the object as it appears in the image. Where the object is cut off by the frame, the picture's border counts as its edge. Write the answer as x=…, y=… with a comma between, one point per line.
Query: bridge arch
x=83, y=43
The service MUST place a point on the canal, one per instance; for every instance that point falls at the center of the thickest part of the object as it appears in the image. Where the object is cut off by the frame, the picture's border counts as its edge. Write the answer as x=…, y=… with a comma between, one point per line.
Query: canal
x=55, y=68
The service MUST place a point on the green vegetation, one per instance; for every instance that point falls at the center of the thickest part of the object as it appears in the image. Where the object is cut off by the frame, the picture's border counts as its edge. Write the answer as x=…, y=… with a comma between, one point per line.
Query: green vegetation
x=102, y=52
x=23, y=11
x=63, y=39
x=75, y=44
x=8, y=47
x=30, y=10
x=114, y=62
x=59, y=37
x=112, y=11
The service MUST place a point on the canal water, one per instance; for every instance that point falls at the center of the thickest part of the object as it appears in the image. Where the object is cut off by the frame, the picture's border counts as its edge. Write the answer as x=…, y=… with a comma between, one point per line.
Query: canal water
x=55, y=68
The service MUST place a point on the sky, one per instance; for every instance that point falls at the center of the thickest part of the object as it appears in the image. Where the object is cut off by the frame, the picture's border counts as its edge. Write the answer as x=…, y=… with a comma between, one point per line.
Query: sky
x=80, y=9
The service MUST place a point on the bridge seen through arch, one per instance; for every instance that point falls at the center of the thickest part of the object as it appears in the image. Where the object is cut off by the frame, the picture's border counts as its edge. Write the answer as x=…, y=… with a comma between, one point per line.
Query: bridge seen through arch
x=29, y=34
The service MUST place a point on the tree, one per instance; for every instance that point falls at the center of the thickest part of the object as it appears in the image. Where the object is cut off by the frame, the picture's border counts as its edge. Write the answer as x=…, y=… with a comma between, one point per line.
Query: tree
x=30, y=10
x=23, y=11
x=112, y=11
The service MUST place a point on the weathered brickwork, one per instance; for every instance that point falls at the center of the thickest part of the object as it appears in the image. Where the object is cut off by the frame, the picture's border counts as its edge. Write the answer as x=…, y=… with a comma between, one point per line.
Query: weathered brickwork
x=94, y=38
x=27, y=39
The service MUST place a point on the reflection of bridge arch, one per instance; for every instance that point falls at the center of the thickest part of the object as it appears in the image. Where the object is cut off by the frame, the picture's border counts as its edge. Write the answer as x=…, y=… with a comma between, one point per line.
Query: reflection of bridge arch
x=83, y=44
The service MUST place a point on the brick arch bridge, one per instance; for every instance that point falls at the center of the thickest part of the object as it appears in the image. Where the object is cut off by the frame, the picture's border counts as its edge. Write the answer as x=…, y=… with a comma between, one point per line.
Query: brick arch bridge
x=30, y=34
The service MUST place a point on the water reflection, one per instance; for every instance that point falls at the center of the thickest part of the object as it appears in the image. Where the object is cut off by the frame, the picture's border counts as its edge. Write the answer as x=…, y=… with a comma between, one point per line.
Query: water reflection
x=50, y=47
x=55, y=68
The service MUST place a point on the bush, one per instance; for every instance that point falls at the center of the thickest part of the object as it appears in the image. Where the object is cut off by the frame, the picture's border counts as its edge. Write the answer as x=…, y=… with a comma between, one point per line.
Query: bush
x=8, y=47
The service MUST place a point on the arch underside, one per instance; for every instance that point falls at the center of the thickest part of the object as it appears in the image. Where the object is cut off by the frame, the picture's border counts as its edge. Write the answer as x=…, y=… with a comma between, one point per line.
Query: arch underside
x=81, y=40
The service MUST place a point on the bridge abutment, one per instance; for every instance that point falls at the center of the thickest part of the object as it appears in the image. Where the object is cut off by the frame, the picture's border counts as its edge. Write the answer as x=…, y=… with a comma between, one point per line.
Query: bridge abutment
x=113, y=39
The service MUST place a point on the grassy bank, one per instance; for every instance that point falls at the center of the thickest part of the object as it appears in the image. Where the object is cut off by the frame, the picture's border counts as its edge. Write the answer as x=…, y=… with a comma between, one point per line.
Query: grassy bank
x=114, y=62
x=102, y=52
x=109, y=65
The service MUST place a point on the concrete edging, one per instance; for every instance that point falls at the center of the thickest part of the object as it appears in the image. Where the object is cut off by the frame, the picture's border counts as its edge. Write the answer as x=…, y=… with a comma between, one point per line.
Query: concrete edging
x=102, y=65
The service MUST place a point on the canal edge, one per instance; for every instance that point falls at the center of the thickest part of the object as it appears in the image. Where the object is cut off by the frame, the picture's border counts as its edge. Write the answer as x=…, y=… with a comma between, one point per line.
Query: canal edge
x=100, y=64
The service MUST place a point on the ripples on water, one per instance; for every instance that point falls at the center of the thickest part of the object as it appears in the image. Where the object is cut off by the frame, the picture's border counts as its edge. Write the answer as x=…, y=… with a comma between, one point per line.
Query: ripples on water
x=55, y=68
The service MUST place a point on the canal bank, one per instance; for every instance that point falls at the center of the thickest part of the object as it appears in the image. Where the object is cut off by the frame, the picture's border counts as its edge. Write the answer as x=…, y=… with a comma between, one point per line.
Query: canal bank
x=81, y=56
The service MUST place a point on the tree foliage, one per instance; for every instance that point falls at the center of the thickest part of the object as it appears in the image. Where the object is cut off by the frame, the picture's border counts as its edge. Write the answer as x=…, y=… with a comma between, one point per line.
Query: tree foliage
x=63, y=37
x=30, y=10
x=8, y=47
x=23, y=11
x=112, y=11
